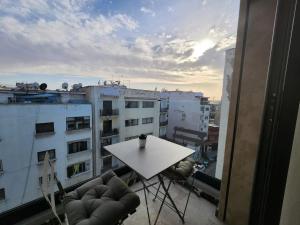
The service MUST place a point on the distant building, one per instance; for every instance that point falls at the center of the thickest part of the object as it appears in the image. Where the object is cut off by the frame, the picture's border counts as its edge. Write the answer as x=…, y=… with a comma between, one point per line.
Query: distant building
x=32, y=123
x=121, y=114
x=188, y=117
x=225, y=101
x=215, y=110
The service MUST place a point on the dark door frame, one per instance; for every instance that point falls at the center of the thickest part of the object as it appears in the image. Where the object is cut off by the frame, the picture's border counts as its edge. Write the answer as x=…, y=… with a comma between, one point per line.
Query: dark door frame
x=282, y=102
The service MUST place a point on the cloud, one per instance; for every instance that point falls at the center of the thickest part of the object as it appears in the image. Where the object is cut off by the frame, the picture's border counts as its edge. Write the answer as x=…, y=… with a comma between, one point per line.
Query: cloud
x=147, y=11
x=66, y=37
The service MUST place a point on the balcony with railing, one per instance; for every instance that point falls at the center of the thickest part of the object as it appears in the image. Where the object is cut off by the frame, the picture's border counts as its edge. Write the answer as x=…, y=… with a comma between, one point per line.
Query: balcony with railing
x=164, y=109
x=109, y=112
x=109, y=133
x=163, y=123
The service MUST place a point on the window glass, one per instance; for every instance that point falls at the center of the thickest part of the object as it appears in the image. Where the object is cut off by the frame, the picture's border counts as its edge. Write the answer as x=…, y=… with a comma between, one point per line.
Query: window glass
x=131, y=122
x=76, y=123
x=77, y=168
x=77, y=146
x=147, y=120
x=44, y=128
x=41, y=155
x=131, y=104
x=147, y=104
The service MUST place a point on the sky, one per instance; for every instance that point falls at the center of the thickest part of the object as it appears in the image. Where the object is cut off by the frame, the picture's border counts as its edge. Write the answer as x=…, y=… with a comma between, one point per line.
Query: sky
x=147, y=44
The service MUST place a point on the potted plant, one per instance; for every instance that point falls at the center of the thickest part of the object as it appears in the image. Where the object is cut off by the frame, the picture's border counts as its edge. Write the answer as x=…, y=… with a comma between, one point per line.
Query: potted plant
x=142, y=140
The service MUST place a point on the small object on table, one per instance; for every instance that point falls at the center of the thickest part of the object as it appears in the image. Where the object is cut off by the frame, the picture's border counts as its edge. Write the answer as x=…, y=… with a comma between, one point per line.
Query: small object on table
x=142, y=141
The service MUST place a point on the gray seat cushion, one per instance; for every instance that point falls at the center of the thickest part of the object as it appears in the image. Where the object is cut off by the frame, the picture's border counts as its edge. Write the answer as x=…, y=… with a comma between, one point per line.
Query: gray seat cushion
x=181, y=170
x=102, y=201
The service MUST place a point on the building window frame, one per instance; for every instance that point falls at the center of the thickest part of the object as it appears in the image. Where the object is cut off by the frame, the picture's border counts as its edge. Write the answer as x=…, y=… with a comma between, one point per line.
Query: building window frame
x=131, y=122
x=147, y=120
x=78, y=146
x=44, y=128
x=131, y=104
x=41, y=155
x=81, y=167
x=77, y=123
x=148, y=104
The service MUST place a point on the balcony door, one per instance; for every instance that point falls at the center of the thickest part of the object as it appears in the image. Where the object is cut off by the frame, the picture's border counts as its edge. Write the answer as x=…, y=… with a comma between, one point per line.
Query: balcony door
x=107, y=106
x=107, y=126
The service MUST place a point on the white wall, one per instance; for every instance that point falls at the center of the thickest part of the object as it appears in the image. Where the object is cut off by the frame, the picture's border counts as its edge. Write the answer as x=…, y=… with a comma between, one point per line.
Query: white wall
x=19, y=147
x=291, y=203
x=118, y=96
x=185, y=111
x=225, y=101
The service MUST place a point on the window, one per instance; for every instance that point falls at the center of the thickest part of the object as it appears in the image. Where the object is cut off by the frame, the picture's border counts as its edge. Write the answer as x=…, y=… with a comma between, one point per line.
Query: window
x=207, y=108
x=131, y=104
x=76, y=123
x=78, y=168
x=206, y=118
x=77, y=146
x=41, y=155
x=1, y=166
x=41, y=128
x=147, y=120
x=132, y=122
x=147, y=104
x=2, y=194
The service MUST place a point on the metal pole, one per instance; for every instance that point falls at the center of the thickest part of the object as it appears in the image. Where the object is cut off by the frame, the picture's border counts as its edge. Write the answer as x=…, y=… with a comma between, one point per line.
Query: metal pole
x=162, y=203
x=168, y=195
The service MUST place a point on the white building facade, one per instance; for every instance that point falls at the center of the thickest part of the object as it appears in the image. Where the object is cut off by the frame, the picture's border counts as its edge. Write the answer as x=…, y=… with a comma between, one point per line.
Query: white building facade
x=30, y=129
x=188, y=114
x=120, y=114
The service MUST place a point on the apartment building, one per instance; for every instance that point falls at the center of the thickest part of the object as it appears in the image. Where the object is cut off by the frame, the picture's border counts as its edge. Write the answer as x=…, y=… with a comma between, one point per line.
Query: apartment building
x=188, y=117
x=215, y=110
x=32, y=123
x=120, y=114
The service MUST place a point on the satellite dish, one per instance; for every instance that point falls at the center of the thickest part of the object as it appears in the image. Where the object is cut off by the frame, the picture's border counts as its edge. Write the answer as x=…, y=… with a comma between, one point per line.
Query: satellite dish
x=35, y=85
x=65, y=86
x=43, y=86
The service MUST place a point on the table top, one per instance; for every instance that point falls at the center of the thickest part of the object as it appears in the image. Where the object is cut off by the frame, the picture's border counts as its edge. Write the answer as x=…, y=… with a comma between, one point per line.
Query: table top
x=157, y=156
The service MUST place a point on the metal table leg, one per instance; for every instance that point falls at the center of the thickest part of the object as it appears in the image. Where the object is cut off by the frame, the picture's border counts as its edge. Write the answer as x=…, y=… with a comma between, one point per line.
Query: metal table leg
x=145, y=187
x=169, y=197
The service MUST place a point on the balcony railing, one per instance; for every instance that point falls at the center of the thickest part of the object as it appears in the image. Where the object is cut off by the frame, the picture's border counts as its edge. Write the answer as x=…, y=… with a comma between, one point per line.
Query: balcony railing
x=164, y=109
x=104, y=153
x=163, y=136
x=108, y=133
x=109, y=112
x=163, y=123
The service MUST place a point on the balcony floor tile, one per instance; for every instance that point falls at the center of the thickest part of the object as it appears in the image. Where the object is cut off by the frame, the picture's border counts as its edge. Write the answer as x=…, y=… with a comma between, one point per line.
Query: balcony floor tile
x=199, y=211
